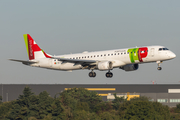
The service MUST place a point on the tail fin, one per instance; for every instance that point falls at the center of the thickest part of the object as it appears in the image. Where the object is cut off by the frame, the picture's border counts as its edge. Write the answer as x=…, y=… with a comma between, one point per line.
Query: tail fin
x=33, y=50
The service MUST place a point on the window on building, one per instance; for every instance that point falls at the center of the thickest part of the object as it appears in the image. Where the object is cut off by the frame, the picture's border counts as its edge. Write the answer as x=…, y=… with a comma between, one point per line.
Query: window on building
x=174, y=100
x=162, y=100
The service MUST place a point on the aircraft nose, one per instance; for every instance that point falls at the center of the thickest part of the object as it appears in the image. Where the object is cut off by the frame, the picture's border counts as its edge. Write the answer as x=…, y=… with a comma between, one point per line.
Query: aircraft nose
x=172, y=55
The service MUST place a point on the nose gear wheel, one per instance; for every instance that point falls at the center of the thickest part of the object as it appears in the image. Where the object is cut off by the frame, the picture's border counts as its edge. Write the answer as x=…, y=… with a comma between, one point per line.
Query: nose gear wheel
x=159, y=63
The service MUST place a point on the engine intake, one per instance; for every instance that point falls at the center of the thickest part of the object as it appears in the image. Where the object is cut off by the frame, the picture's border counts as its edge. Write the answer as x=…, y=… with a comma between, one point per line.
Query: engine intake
x=130, y=67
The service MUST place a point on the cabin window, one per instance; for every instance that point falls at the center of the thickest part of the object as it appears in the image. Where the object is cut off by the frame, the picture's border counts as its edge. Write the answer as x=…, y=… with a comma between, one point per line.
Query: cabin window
x=73, y=58
x=85, y=57
x=91, y=56
x=118, y=53
x=108, y=54
x=97, y=55
x=101, y=55
x=104, y=54
x=88, y=56
x=76, y=57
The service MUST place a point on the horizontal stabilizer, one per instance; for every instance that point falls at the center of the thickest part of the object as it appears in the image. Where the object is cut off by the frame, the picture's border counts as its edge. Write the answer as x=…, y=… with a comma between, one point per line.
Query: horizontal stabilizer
x=24, y=62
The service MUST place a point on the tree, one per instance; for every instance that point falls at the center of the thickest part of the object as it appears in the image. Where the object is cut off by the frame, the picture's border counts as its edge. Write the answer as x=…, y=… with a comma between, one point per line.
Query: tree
x=26, y=93
x=141, y=108
x=0, y=99
x=72, y=96
x=117, y=101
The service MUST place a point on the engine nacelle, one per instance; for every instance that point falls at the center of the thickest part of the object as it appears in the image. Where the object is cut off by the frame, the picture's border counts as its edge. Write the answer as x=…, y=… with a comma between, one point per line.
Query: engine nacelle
x=130, y=67
x=107, y=65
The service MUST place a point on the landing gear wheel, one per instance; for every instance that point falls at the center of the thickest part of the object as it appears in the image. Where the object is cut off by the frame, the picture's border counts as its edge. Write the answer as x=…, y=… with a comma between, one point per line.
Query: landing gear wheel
x=92, y=74
x=159, y=68
x=109, y=74
x=159, y=63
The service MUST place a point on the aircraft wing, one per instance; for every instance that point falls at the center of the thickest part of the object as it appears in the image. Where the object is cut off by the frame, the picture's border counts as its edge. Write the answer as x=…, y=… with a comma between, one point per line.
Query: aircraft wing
x=24, y=62
x=76, y=61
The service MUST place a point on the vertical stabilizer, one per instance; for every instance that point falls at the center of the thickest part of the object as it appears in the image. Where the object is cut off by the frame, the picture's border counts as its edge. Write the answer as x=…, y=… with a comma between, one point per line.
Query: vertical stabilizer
x=33, y=50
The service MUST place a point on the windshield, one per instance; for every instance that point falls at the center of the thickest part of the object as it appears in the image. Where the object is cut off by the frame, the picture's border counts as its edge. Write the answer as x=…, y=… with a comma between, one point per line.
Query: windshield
x=160, y=49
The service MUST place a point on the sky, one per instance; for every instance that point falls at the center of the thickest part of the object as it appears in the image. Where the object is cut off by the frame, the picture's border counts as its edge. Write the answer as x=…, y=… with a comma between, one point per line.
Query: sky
x=64, y=27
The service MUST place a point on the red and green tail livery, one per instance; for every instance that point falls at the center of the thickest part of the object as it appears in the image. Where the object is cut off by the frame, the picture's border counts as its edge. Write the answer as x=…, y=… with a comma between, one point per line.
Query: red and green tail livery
x=33, y=50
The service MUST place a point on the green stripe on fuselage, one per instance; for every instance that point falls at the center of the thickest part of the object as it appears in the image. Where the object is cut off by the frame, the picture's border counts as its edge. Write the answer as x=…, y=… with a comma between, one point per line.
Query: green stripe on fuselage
x=133, y=54
x=26, y=43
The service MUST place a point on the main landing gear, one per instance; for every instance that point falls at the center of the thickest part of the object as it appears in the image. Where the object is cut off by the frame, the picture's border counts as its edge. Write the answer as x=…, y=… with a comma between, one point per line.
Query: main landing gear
x=109, y=74
x=92, y=74
x=159, y=63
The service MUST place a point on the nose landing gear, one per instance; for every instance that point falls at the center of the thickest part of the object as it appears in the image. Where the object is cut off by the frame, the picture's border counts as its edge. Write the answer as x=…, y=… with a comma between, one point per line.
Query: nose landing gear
x=159, y=63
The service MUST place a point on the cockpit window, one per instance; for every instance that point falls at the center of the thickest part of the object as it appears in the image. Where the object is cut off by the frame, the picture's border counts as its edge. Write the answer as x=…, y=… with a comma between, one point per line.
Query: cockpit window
x=165, y=49
x=160, y=49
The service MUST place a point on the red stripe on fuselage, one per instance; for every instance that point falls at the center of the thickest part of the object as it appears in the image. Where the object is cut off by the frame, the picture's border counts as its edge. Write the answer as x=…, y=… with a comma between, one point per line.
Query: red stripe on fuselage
x=46, y=55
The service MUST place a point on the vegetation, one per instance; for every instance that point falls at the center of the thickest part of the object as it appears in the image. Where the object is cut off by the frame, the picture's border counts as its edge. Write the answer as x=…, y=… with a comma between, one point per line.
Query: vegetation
x=81, y=104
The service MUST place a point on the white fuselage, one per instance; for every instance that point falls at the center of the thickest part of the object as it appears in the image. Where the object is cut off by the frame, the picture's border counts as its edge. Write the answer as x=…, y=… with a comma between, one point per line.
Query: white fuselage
x=119, y=57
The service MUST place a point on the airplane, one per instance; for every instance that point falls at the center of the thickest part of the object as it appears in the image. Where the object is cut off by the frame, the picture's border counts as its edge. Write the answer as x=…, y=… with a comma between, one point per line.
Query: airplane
x=126, y=59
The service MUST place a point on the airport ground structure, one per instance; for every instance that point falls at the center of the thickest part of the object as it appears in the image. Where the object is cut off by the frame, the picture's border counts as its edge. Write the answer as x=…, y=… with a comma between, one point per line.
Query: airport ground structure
x=163, y=93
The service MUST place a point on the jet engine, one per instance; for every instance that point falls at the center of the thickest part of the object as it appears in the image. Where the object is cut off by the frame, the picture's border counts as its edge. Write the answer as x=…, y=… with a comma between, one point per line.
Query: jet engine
x=107, y=65
x=130, y=67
